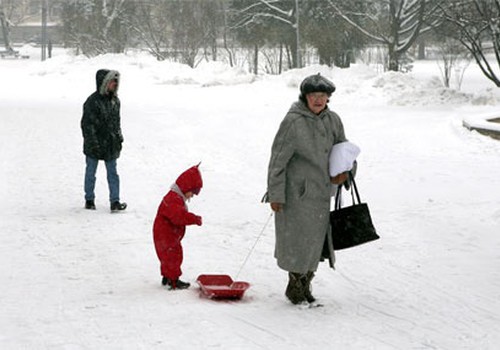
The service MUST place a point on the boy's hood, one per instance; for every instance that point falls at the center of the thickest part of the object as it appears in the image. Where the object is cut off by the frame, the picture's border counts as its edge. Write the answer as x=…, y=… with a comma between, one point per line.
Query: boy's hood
x=103, y=77
x=190, y=180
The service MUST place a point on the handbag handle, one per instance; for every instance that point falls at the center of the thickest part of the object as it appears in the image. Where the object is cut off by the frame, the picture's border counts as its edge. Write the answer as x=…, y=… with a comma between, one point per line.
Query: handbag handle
x=353, y=186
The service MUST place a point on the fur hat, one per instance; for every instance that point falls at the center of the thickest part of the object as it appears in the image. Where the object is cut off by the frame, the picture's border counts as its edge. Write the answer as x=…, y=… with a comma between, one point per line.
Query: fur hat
x=316, y=83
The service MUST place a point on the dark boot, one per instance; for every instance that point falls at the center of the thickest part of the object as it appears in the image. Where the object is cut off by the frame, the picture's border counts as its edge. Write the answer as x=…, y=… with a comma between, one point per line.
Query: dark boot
x=117, y=206
x=307, y=287
x=181, y=284
x=295, y=289
x=90, y=204
x=177, y=284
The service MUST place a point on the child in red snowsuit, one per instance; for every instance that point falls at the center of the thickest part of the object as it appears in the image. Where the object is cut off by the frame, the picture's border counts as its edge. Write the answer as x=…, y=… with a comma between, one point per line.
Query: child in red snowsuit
x=170, y=225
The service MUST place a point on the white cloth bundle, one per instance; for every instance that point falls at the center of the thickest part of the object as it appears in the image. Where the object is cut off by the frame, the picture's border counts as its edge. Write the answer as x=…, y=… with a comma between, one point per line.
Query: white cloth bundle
x=342, y=157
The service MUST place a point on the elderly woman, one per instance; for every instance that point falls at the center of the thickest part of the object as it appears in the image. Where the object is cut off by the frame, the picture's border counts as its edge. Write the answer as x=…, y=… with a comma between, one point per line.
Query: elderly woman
x=299, y=185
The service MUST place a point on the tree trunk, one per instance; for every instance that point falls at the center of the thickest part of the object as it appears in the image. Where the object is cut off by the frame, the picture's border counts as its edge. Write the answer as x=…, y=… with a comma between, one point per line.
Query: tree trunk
x=421, y=50
x=293, y=51
x=229, y=53
x=288, y=57
x=393, y=64
x=280, y=66
x=5, y=30
x=256, y=59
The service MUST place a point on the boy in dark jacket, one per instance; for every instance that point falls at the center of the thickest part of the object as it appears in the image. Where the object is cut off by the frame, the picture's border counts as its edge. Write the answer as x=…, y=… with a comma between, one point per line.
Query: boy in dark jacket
x=102, y=137
x=170, y=225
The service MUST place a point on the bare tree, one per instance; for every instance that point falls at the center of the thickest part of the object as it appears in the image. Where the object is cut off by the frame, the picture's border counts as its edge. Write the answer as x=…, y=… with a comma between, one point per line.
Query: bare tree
x=394, y=23
x=213, y=22
x=477, y=24
x=266, y=17
x=97, y=26
x=5, y=29
x=193, y=29
x=453, y=59
x=12, y=12
x=334, y=39
x=226, y=34
x=151, y=28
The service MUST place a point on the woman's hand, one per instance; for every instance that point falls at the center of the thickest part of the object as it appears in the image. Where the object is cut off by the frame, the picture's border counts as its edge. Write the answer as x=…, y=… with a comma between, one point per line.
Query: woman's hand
x=339, y=179
x=276, y=207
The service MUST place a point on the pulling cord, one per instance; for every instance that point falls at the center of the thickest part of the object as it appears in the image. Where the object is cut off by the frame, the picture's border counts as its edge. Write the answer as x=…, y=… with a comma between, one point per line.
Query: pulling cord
x=348, y=279
x=253, y=247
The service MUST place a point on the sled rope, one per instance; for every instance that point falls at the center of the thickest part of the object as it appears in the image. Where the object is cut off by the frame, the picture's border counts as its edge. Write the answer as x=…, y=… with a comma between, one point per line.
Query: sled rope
x=348, y=280
x=253, y=247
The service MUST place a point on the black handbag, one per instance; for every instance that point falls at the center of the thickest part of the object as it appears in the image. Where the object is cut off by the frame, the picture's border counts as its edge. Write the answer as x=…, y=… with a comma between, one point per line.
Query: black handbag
x=351, y=226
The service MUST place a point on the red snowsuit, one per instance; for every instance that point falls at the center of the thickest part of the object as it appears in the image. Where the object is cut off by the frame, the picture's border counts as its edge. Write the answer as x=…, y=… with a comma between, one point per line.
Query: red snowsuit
x=171, y=220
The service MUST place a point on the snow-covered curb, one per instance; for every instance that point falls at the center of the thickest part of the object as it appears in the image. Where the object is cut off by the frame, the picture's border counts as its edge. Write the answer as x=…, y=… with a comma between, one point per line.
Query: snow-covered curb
x=484, y=124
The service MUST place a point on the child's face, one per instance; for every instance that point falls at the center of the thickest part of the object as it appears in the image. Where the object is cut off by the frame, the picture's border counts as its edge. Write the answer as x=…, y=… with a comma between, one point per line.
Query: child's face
x=189, y=195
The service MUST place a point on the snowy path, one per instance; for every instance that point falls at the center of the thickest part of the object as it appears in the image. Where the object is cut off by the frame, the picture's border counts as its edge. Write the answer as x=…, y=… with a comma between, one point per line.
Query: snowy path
x=74, y=279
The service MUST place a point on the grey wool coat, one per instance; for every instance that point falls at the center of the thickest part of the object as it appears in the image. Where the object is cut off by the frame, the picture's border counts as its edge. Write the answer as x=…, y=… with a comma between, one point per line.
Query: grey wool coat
x=298, y=177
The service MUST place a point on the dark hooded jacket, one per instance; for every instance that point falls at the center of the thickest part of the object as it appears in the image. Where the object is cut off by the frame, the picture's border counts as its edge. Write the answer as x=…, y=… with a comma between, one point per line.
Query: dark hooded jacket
x=101, y=129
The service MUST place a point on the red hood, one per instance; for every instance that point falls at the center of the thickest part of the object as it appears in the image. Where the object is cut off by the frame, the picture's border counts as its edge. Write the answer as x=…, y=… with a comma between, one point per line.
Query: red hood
x=190, y=180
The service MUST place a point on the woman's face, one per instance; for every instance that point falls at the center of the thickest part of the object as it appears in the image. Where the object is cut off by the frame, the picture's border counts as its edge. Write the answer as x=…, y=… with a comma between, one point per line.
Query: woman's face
x=316, y=101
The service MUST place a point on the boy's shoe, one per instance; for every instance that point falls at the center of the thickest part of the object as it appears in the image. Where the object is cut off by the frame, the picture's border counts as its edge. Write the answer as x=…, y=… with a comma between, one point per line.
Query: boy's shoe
x=181, y=284
x=177, y=284
x=90, y=205
x=117, y=206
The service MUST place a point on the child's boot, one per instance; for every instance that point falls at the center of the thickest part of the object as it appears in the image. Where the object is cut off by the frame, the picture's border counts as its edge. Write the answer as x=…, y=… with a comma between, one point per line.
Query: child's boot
x=177, y=284
x=181, y=284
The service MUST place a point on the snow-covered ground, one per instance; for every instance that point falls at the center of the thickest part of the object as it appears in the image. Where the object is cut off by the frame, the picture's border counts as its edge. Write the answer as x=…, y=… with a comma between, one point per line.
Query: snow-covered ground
x=77, y=279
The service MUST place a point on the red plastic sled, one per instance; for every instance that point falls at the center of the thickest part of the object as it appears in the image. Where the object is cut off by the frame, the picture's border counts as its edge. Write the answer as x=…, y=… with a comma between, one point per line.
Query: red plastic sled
x=221, y=287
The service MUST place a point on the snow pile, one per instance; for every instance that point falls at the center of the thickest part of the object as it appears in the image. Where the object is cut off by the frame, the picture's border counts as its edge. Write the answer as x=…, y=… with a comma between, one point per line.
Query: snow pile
x=403, y=89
